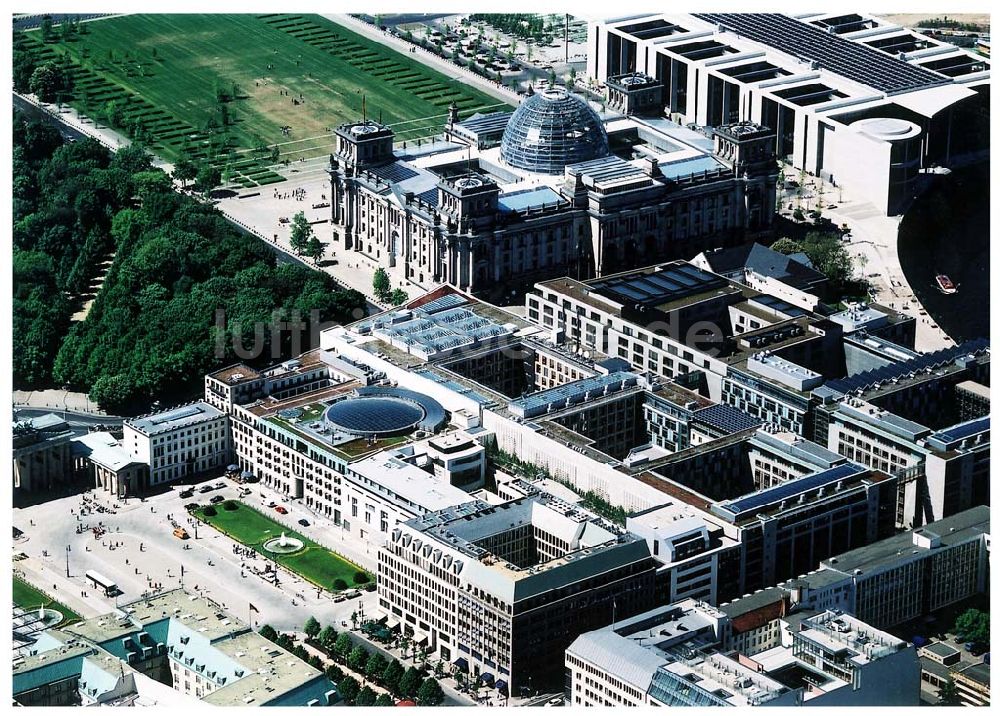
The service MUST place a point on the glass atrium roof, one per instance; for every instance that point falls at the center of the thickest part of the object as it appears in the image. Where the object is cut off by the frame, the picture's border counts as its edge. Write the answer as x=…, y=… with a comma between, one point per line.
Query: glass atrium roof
x=550, y=130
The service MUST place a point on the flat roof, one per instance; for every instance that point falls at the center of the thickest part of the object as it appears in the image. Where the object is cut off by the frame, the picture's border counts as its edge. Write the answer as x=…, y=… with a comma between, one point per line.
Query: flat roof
x=789, y=488
x=854, y=61
x=175, y=418
x=659, y=285
x=952, y=530
x=235, y=374
x=414, y=486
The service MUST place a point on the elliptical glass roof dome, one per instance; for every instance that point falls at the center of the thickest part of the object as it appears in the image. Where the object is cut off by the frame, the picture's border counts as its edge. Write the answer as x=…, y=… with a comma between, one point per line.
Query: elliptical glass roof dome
x=550, y=130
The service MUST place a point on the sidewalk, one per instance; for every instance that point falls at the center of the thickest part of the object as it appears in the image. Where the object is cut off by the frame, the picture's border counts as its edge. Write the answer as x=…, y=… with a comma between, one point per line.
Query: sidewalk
x=58, y=400
x=461, y=74
x=874, y=236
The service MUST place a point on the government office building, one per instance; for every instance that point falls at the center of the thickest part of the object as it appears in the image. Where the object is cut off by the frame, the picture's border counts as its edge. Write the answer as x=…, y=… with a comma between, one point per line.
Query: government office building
x=853, y=98
x=498, y=590
x=552, y=189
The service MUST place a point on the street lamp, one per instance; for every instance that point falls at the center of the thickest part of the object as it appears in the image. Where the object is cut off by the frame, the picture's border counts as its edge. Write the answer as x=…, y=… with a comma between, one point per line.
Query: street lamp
x=67, y=561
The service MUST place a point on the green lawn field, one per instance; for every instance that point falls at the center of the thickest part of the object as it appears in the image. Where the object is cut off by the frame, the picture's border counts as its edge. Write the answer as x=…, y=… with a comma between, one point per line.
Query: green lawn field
x=252, y=528
x=30, y=598
x=299, y=72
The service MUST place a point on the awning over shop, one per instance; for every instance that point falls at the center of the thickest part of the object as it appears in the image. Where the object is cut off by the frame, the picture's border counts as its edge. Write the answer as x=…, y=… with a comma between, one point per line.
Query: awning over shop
x=502, y=686
x=486, y=678
x=462, y=663
x=232, y=468
x=392, y=623
x=419, y=639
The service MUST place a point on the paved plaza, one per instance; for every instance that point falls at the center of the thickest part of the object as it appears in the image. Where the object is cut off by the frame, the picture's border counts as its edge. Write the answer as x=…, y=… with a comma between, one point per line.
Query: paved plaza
x=139, y=552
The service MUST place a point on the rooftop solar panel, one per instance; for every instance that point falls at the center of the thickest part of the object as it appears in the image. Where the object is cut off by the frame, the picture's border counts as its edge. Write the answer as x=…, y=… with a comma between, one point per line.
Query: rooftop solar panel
x=964, y=430
x=395, y=172
x=429, y=197
x=790, y=488
x=439, y=304
x=852, y=60
x=863, y=381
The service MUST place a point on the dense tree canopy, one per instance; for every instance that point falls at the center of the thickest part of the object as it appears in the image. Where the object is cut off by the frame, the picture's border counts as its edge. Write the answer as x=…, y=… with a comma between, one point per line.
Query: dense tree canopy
x=182, y=289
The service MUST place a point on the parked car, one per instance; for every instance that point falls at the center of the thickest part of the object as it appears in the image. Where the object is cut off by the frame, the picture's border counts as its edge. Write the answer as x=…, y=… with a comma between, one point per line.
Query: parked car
x=272, y=503
x=217, y=499
x=205, y=488
x=281, y=510
x=304, y=522
x=186, y=494
x=219, y=485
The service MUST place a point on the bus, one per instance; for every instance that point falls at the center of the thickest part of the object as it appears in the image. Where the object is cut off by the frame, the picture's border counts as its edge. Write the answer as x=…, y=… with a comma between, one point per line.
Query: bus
x=101, y=582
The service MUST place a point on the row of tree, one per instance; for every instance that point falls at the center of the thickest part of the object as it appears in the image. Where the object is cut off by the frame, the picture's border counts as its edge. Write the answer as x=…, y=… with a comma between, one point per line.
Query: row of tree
x=185, y=290
x=402, y=683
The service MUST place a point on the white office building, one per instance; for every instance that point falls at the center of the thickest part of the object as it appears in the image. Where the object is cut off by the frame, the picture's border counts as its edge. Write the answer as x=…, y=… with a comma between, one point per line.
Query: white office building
x=180, y=442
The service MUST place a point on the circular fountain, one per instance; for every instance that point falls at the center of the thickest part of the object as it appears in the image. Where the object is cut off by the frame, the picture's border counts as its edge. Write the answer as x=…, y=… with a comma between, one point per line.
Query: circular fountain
x=283, y=544
x=49, y=617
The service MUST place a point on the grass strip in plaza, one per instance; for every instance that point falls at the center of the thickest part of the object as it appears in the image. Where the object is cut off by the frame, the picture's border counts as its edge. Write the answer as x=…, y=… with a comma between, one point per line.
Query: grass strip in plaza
x=30, y=598
x=252, y=528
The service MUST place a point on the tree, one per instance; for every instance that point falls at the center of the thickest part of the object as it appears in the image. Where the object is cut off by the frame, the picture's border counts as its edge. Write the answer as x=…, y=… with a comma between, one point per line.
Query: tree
x=361, y=577
x=300, y=652
x=430, y=693
x=343, y=645
x=392, y=675
x=267, y=631
x=311, y=627
x=948, y=694
x=398, y=297
x=973, y=625
x=301, y=233
x=381, y=283
x=358, y=658
x=339, y=584
x=348, y=689
x=365, y=697
x=48, y=81
x=334, y=673
x=384, y=700
x=208, y=178
x=315, y=662
x=375, y=666
x=786, y=246
x=46, y=28
x=327, y=636
x=185, y=170
x=314, y=249
x=114, y=394
x=410, y=682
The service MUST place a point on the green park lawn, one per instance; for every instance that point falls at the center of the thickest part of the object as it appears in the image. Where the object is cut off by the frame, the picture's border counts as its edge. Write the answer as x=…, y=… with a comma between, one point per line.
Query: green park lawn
x=252, y=528
x=29, y=598
x=166, y=70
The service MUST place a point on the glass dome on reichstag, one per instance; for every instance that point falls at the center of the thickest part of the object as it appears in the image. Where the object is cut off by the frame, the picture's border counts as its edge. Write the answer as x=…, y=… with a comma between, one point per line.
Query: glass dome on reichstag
x=550, y=130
